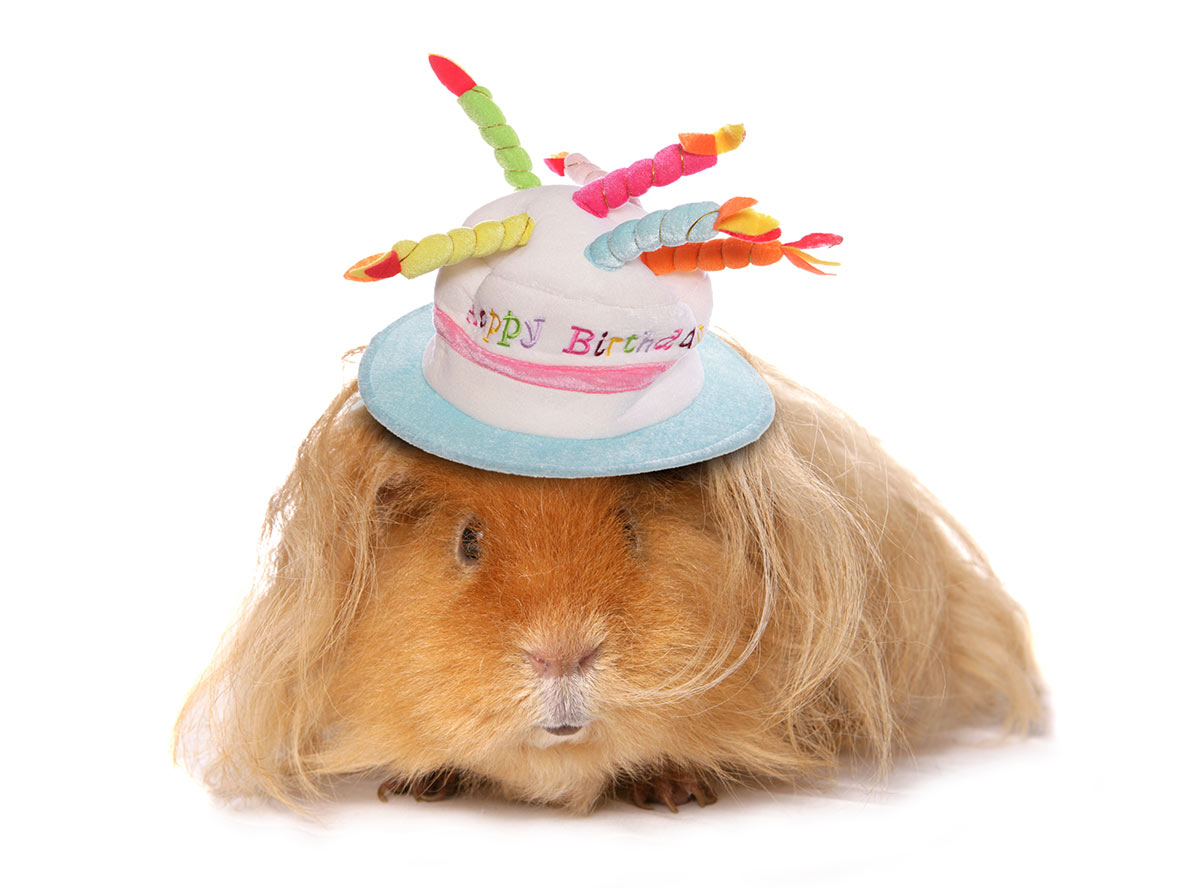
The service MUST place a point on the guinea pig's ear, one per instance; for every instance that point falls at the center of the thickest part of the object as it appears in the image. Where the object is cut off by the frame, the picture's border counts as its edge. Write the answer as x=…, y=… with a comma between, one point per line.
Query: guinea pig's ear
x=657, y=504
x=677, y=490
x=255, y=721
x=402, y=498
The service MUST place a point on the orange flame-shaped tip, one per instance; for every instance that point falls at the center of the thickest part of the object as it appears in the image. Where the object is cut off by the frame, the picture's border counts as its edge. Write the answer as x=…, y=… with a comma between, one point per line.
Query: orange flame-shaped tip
x=735, y=218
x=804, y=260
x=725, y=139
x=734, y=205
x=374, y=268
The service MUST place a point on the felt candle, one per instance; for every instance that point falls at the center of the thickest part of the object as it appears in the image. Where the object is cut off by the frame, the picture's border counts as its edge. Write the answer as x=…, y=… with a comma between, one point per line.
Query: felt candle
x=666, y=166
x=477, y=102
x=413, y=258
x=722, y=253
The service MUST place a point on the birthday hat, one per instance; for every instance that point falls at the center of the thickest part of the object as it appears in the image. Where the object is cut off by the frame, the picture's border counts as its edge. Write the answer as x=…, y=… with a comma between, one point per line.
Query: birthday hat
x=550, y=350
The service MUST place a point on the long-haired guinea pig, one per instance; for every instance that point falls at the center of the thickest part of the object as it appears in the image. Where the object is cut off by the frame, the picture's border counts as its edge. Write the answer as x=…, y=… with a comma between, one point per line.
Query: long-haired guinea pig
x=754, y=617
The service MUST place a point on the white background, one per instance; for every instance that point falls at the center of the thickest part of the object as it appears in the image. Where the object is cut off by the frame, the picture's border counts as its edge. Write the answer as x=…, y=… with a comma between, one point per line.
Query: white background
x=183, y=185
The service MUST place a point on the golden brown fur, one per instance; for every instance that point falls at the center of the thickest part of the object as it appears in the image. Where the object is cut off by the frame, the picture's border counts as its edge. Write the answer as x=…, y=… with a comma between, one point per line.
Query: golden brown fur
x=757, y=616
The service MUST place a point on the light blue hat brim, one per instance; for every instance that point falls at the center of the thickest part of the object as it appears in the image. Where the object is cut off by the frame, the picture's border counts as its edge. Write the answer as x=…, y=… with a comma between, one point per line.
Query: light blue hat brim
x=733, y=409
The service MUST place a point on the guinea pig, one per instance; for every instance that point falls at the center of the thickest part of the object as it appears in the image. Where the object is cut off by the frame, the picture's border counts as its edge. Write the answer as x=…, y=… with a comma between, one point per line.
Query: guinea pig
x=756, y=617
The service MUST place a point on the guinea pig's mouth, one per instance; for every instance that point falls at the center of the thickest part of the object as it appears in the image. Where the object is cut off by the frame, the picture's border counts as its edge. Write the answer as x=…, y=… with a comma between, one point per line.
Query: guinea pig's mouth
x=545, y=736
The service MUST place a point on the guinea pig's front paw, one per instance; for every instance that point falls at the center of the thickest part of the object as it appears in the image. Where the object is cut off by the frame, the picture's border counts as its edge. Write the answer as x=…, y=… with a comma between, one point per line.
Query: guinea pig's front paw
x=671, y=789
x=432, y=787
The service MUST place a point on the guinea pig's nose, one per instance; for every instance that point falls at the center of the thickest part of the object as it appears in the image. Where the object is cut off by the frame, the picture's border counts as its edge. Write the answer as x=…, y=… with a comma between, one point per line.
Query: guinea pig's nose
x=556, y=665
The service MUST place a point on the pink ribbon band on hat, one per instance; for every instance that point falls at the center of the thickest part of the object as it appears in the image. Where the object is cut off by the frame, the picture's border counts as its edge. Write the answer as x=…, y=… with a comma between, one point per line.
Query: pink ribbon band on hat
x=593, y=380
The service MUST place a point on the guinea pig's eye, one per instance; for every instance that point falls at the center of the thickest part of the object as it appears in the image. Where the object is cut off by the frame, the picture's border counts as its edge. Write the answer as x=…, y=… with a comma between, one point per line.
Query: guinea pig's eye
x=470, y=541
